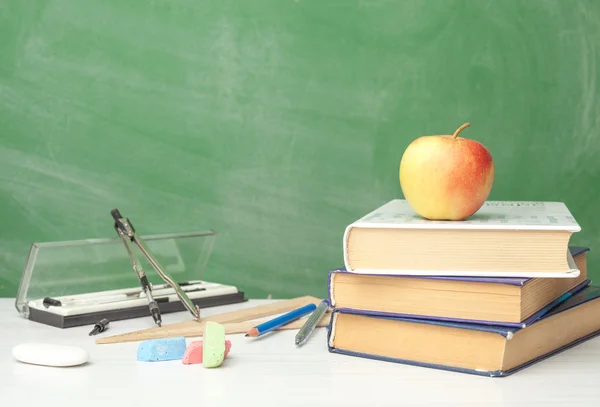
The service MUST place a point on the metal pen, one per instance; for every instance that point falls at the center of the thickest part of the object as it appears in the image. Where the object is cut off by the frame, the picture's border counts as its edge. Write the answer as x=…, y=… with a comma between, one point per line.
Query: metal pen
x=311, y=323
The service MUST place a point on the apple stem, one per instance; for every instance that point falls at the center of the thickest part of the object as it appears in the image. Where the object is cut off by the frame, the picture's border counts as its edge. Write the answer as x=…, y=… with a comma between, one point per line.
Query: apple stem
x=461, y=128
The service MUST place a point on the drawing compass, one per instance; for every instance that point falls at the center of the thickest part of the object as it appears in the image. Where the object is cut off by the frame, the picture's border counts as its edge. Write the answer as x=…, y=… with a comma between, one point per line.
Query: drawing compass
x=128, y=235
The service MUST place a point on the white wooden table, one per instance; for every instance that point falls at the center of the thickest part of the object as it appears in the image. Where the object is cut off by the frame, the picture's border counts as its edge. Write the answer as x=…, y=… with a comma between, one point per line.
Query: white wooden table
x=271, y=371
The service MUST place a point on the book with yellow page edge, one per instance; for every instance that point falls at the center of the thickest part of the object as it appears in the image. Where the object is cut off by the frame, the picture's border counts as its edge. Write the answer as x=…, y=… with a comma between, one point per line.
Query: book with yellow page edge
x=502, y=239
x=511, y=301
x=478, y=349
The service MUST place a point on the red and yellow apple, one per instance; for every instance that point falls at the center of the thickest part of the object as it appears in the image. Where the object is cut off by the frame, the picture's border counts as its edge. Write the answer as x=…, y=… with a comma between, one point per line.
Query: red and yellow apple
x=446, y=177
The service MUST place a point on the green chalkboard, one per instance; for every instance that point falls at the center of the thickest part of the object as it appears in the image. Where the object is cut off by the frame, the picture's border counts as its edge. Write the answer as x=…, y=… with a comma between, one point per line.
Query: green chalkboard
x=278, y=122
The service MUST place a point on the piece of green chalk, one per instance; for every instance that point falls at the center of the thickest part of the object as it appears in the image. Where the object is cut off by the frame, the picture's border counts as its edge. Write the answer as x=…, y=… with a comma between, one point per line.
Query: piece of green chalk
x=213, y=347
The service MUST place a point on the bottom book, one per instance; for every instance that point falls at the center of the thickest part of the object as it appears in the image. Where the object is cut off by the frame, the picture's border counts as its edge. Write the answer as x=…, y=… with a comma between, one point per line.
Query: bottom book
x=468, y=348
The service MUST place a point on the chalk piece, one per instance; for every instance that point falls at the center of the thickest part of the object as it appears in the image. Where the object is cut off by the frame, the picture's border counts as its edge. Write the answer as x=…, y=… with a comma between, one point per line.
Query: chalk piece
x=213, y=350
x=193, y=353
x=49, y=355
x=155, y=350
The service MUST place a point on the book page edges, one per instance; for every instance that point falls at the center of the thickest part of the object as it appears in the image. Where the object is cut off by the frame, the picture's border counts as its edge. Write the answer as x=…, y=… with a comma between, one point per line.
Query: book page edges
x=478, y=372
x=572, y=272
x=333, y=349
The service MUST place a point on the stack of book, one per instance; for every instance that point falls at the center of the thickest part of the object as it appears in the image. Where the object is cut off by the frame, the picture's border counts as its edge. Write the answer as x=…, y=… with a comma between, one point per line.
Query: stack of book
x=488, y=295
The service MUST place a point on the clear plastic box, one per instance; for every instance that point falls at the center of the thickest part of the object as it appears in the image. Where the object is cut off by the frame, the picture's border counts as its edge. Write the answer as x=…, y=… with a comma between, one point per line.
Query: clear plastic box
x=100, y=268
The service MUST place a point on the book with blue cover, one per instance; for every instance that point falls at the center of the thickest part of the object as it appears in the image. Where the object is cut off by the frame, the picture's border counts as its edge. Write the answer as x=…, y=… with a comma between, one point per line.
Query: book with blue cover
x=510, y=301
x=480, y=349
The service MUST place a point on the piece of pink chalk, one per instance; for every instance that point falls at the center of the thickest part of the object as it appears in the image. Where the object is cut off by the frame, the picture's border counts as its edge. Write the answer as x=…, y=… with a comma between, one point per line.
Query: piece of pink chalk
x=193, y=352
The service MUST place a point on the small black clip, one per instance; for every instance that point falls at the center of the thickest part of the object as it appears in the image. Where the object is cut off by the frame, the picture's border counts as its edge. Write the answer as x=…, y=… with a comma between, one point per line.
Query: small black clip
x=51, y=301
x=100, y=326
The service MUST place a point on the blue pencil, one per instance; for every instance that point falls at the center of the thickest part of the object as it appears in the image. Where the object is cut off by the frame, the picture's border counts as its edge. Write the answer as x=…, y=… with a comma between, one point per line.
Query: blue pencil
x=280, y=321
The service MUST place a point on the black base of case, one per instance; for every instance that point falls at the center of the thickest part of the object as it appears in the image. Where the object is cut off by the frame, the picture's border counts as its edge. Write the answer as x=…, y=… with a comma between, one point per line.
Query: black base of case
x=60, y=321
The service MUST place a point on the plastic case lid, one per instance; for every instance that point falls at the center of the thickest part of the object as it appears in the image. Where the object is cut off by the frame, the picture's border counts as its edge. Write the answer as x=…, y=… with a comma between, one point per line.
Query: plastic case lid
x=55, y=269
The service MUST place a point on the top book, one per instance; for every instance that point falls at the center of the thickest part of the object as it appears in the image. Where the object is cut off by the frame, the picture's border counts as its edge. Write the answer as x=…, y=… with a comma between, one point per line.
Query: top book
x=492, y=215
x=503, y=238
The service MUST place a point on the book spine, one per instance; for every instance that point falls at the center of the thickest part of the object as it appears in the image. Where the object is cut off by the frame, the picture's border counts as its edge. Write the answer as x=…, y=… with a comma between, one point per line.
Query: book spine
x=331, y=328
x=330, y=284
x=345, y=246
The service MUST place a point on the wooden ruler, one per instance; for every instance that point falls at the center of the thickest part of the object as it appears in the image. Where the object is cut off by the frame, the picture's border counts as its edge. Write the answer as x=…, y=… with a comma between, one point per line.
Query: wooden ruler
x=234, y=322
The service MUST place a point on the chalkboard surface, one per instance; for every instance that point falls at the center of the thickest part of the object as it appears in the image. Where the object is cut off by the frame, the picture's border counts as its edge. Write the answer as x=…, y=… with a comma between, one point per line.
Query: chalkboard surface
x=278, y=122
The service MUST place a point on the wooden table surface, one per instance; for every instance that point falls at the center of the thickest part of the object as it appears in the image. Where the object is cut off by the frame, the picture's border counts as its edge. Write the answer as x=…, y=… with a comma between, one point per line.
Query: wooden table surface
x=271, y=371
